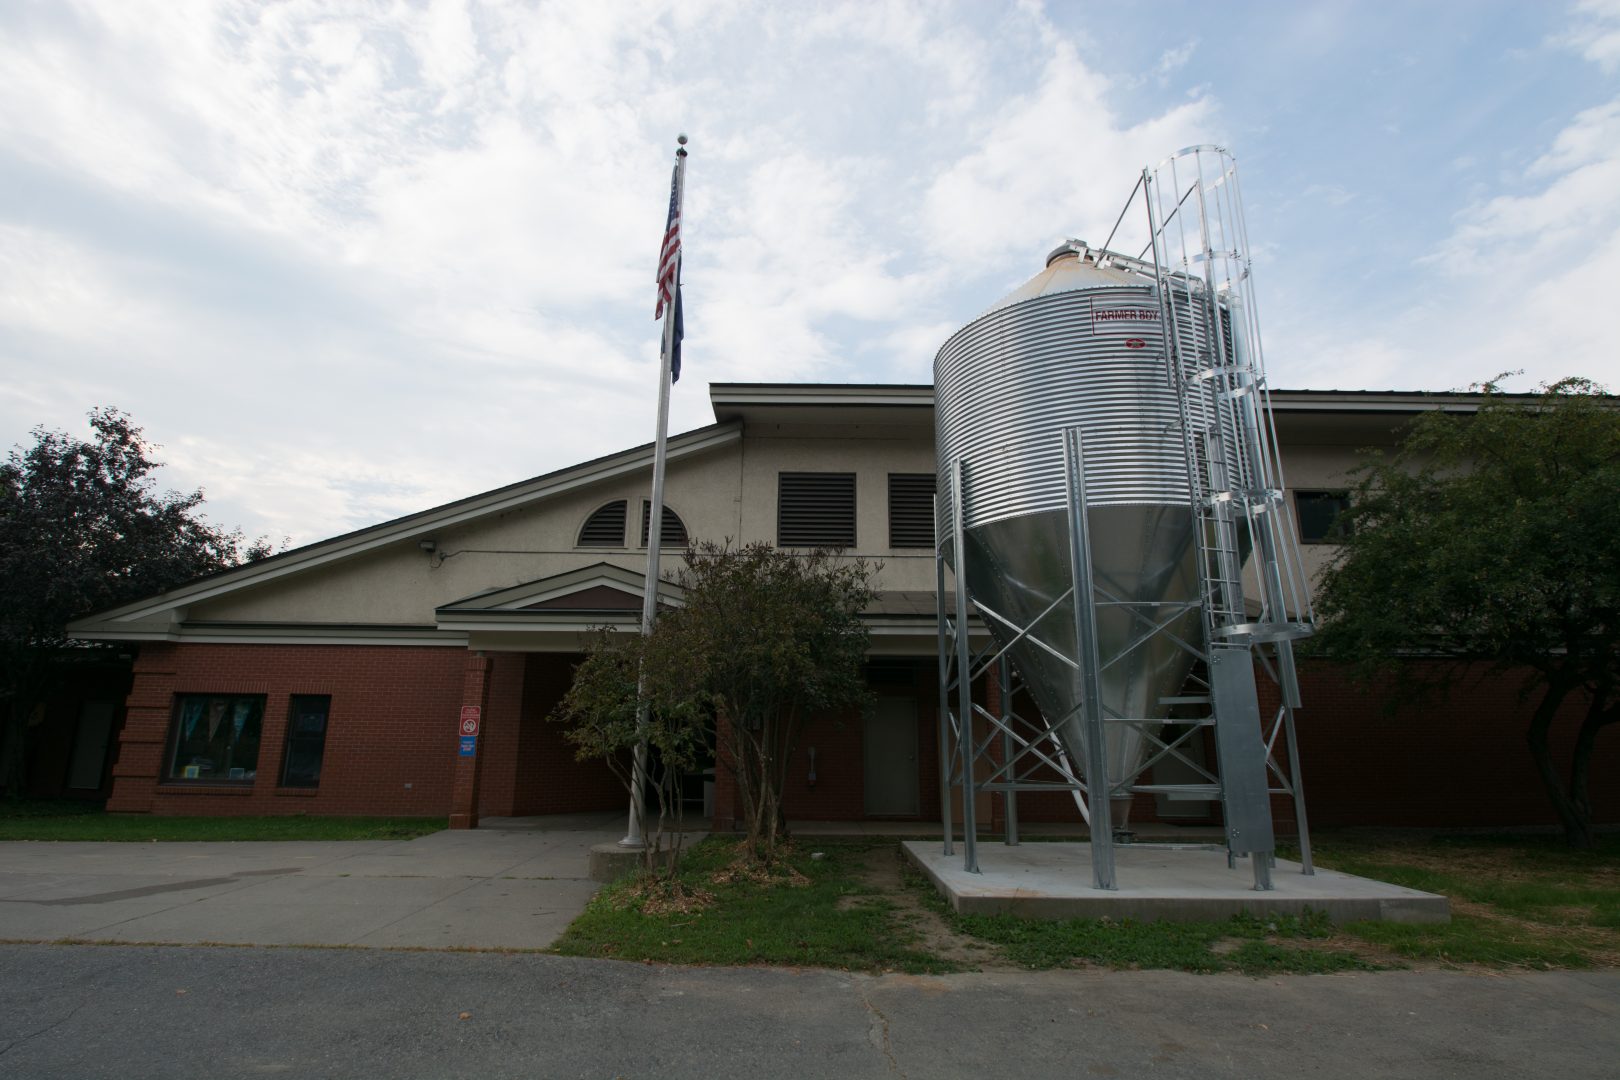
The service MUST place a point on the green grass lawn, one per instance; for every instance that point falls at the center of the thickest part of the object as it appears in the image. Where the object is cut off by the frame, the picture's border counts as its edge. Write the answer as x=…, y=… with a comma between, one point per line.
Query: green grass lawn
x=1518, y=901
x=830, y=919
x=66, y=820
x=1246, y=944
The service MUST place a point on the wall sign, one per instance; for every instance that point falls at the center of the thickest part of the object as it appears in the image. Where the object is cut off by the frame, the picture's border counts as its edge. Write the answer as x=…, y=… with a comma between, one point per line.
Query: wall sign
x=471, y=715
x=1123, y=320
x=469, y=746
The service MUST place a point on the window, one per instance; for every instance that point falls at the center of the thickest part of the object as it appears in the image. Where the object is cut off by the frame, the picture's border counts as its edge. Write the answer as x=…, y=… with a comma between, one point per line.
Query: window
x=216, y=737
x=815, y=510
x=605, y=528
x=672, y=535
x=1321, y=518
x=306, y=740
x=911, y=510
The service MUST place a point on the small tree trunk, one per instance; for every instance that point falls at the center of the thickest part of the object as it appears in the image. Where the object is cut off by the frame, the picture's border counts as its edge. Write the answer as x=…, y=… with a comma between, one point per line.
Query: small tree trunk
x=1577, y=827
x=1598, y=716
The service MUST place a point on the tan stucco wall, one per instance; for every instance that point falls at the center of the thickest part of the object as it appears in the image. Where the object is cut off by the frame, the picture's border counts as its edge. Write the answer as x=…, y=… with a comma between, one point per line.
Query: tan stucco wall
x=400, y=584
x=871, y=453
x=728, y=492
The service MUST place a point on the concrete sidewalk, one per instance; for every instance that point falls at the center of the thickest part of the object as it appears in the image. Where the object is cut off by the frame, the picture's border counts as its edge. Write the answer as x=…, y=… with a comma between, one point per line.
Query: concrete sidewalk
x=485, y=888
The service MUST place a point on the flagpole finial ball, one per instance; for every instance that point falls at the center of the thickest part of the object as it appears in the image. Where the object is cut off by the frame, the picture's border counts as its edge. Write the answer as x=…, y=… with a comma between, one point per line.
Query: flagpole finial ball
x=681, y=139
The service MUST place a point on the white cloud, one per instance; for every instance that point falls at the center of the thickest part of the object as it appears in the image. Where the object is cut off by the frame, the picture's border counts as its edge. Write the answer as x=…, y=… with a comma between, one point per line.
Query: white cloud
x=1596, y=34
x=1521, y=283
x=350, y=259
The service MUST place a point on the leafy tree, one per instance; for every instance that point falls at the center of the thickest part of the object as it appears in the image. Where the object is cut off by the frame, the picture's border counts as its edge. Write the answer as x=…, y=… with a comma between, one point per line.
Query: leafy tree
x=606, y=720
x=1492, y=542
x=82, y=527
x=764, y=640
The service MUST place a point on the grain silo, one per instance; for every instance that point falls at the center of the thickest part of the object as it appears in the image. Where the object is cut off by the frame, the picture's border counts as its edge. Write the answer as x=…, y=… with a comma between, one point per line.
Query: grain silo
x=1109, y=495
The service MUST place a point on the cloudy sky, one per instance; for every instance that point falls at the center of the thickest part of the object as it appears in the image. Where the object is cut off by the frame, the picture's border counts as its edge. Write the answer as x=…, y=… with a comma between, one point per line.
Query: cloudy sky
x=348, y=260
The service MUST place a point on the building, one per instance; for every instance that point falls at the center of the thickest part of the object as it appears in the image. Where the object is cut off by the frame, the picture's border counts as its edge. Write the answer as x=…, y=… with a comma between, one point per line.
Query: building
x=334, y=679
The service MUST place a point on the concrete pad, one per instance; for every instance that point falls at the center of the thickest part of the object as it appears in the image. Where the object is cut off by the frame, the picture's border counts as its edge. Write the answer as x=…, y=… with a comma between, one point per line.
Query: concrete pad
x=1157, y=882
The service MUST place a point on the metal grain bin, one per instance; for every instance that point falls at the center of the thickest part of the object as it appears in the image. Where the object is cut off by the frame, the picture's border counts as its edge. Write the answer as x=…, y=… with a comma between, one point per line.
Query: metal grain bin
x=1079, y=344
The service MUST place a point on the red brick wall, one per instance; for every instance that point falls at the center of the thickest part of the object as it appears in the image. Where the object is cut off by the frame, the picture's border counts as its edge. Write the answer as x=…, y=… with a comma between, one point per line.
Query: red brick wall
x=390, y=740
x=1459, y=760
x=839, y=793
x=547, y=779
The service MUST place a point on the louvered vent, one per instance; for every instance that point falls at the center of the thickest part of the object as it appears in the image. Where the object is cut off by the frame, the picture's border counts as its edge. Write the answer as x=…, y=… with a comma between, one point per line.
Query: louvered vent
x=605, y=528
x=911, y=510
x=815, y=510
x=673, y=534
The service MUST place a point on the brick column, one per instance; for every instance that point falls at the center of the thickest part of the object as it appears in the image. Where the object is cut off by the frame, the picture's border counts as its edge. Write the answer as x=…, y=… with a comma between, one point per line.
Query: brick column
x=145, y=735
x=464, y=794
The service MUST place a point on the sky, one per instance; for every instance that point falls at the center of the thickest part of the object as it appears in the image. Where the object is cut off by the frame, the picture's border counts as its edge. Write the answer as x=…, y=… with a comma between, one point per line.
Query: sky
x=347, y=261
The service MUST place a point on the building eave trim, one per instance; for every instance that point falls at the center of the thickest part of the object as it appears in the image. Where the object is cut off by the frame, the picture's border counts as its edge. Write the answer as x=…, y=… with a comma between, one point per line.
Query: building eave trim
x=406, y=528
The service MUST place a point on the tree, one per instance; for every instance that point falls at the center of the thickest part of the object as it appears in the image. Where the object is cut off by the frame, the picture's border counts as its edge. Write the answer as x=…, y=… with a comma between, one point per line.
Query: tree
x=606, y=720
x=1492, y=542
x=763, y=641
x=82, y=527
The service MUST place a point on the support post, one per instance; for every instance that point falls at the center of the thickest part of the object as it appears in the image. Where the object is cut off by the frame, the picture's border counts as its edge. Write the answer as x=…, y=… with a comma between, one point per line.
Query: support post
x=1090, y=664
x=964, y=682
x=947, y=818
x=464, y=790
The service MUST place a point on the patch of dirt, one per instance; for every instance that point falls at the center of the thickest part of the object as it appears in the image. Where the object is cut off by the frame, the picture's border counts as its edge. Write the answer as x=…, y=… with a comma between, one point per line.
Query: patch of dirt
x=666, y=898
x=743, y=867
x=880, y=869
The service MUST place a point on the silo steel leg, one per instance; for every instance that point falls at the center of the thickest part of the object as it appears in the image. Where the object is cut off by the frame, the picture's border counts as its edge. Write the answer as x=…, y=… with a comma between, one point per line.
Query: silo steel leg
x=1085, y=627
x=947, y=819
x=964, y=682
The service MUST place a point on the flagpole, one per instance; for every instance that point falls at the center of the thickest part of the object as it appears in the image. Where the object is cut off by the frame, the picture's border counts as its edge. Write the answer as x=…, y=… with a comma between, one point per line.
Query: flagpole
x=634, y=837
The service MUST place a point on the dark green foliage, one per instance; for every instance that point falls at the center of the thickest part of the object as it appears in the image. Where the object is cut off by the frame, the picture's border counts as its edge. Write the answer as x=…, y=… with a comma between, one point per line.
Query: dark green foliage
x=608, y=719
x=1492, y=542
x=83, y=528
x=763, y=640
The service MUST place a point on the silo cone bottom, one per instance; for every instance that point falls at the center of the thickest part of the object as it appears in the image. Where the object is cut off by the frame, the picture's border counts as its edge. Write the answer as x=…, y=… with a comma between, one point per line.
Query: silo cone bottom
x=1141, y=552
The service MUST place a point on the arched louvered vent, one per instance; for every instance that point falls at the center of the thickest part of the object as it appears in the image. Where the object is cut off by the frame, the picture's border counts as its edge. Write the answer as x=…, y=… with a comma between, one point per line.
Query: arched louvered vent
x=673, y=534
x=604, y=528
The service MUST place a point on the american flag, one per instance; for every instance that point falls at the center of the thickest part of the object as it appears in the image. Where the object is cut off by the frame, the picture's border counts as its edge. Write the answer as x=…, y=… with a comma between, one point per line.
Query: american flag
x=669, y=257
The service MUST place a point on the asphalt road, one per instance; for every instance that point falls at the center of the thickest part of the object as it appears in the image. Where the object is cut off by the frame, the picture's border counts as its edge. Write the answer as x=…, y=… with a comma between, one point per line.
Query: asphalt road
x=135, y=1011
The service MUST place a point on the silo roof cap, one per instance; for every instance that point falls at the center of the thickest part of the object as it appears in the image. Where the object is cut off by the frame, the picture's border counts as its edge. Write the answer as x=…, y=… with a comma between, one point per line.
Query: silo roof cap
x=1075, y=265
